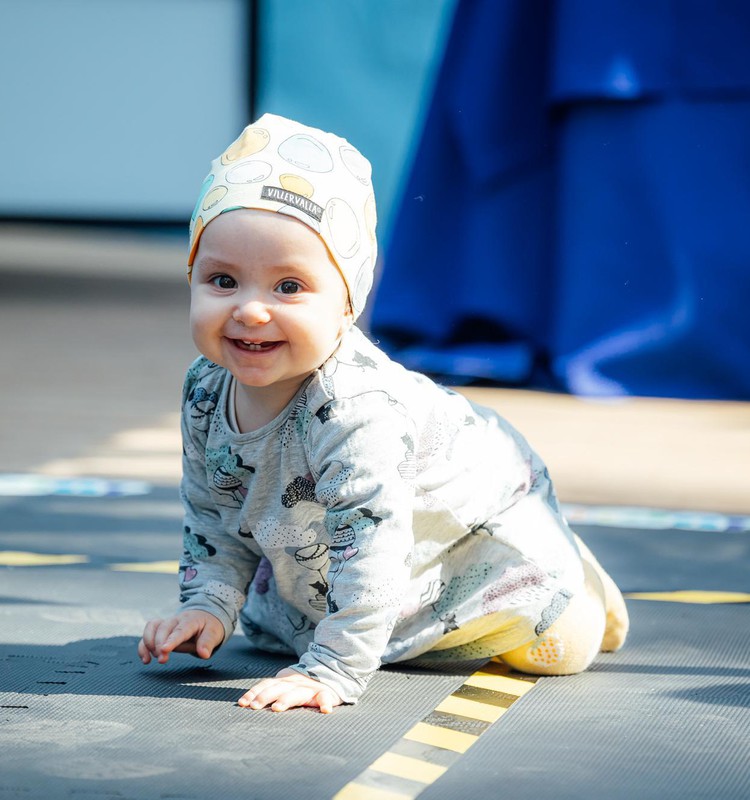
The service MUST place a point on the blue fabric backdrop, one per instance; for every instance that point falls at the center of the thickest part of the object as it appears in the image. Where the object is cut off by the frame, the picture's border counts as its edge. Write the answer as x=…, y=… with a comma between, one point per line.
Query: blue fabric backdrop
x=578, y=210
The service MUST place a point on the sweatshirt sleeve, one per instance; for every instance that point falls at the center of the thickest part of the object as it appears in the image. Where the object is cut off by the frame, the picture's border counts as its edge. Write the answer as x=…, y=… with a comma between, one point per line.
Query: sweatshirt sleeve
x=216, y=567
x=361, y=451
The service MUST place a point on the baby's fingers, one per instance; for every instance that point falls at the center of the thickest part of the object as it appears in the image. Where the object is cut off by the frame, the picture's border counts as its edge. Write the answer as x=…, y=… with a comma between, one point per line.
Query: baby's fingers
x=325, y=700
x=147, y=646
x=282, y=695
x=260, y=695
x=293, y=698
x=172, y=634
x=143, y=652
x=278, y=694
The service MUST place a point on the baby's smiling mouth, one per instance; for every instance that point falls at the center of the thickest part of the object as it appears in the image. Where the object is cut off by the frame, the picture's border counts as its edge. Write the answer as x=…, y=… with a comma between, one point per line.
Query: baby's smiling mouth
x=255, y=347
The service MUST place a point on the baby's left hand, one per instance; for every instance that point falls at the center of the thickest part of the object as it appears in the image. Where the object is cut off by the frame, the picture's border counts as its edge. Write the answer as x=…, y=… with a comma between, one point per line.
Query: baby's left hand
x=290, y=689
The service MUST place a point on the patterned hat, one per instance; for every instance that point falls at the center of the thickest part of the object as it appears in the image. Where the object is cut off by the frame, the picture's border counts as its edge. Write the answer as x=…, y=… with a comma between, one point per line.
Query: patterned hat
x=316, y=177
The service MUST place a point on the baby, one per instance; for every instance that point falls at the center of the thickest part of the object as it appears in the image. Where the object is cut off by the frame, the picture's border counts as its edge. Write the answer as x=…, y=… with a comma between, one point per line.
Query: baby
x=347, y=511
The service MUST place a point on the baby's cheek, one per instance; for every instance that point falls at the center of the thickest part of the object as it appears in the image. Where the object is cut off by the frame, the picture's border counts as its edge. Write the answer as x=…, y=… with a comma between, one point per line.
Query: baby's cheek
x=200, y=325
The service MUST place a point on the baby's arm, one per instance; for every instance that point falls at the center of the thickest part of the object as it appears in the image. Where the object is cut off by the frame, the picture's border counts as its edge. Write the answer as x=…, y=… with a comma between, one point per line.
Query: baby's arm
x=215, y=568
x=356, y=456
x=196, y=632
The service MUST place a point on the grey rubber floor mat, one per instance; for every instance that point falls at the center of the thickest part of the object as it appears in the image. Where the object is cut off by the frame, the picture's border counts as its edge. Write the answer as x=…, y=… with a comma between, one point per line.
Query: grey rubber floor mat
x=665, y=718
x=80, y=717
x=175, y=732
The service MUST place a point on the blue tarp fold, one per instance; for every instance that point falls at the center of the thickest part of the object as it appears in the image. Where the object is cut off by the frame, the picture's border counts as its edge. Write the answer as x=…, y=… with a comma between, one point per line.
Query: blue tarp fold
x=578, y=209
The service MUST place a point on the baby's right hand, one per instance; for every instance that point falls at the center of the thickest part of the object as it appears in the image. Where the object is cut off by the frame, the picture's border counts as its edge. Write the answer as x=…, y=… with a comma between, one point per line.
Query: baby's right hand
x=195, y=632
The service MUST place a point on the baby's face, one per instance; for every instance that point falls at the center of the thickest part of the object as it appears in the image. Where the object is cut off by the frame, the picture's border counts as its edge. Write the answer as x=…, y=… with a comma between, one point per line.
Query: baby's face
x=267, y=301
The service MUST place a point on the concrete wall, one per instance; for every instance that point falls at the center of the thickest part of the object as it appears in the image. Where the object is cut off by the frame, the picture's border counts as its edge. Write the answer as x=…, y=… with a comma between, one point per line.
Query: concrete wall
x=113, y=108
x=110, y=108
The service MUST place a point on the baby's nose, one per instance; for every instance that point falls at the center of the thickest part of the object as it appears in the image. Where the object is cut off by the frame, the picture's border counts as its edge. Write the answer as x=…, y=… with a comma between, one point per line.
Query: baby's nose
x=252, y=312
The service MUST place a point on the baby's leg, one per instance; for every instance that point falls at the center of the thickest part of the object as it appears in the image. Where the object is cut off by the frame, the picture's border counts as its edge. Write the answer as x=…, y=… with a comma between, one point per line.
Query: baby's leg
x=571, y=643
x=616, y=628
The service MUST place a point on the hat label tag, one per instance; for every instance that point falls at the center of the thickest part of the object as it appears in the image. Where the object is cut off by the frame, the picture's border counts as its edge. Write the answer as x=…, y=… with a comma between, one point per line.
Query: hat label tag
x=304, y=204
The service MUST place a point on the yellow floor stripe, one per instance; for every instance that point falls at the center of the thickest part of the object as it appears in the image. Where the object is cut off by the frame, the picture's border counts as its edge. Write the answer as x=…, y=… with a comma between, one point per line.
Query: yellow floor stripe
x=355, y=791
x=443, y=744
x=405, y=767
x=18, y=558
x=487, y=680
x=692, y=596
x=441, y=737
x=470, y=708
x=167, y=567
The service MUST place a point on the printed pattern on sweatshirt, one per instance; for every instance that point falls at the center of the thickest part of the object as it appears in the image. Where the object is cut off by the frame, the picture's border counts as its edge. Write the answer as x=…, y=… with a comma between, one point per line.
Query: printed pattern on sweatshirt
x=380, y=517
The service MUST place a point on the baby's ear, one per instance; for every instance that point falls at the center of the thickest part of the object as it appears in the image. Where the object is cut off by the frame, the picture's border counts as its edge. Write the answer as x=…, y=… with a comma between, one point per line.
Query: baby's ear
x=348, y=319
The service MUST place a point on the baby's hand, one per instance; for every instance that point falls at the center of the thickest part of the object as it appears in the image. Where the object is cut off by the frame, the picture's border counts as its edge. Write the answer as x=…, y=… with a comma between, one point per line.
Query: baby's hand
x=290, y=689
x=195, y=632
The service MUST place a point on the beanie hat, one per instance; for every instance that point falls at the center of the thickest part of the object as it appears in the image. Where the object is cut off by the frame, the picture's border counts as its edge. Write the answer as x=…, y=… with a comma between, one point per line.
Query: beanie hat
x=316, y=177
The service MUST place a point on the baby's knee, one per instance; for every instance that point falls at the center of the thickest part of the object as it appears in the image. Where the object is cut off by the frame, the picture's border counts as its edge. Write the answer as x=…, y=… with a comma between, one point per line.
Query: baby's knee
x=572, y=642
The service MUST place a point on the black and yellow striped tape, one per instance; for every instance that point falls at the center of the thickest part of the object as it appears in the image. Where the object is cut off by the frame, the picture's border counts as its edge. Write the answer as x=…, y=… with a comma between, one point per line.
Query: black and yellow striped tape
x=429, y=748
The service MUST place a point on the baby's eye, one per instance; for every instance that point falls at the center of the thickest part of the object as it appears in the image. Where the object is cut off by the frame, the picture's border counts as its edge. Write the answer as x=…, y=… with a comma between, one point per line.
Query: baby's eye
x=224, y=282
x=289, y=287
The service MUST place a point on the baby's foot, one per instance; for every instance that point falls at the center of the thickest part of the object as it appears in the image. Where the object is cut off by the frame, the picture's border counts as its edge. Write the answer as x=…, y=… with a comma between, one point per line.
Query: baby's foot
x=617, y=622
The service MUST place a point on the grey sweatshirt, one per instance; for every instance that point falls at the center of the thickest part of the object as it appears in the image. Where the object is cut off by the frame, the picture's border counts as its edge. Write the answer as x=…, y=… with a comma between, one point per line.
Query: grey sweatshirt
x=380, y=517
